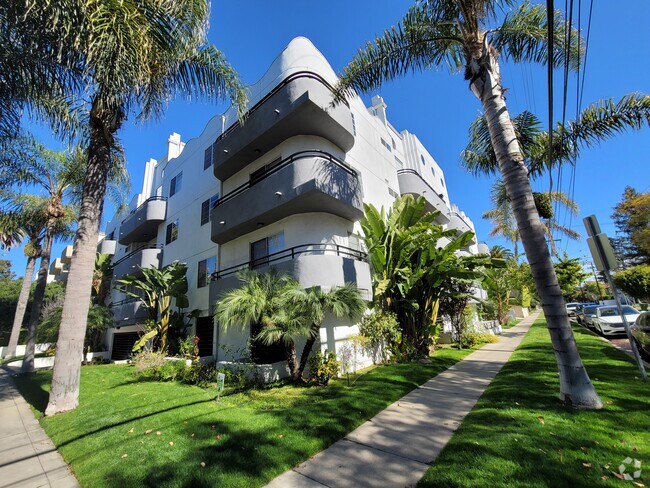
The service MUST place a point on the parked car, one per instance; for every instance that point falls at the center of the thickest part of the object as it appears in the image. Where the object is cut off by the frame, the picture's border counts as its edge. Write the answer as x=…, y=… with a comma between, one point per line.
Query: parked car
x=641, y=333
x=571, y=310
x=586, y=315
x=608, y=321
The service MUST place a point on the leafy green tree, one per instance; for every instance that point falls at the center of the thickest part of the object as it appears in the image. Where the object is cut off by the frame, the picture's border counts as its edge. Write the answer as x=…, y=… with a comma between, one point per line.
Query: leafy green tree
x=570, y=274
x=102, y=277
x=149, y=52
x=635, y=281
x=473, y=35
x=632, y=220
x=9, y=291
x=411, y=266
x=158, y=288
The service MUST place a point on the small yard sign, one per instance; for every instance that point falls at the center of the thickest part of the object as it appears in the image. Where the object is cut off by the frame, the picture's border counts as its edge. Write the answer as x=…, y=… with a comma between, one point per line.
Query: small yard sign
x=221, y=380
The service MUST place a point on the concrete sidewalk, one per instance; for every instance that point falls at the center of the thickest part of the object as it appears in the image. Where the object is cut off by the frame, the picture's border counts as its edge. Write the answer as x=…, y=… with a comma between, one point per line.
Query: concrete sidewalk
x=27, y=456
x=396, y=447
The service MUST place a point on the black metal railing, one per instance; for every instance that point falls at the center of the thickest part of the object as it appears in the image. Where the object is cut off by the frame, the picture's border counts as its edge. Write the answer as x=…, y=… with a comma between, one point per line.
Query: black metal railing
x=136, y=251
x=413, y=172
x=125, y=301
x=150, y=199
x=283, y=164
x=292, y=77
x=292, y=253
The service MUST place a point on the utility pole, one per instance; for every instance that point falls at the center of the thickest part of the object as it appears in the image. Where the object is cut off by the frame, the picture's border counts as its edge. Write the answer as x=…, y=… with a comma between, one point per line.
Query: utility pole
x=593, y=270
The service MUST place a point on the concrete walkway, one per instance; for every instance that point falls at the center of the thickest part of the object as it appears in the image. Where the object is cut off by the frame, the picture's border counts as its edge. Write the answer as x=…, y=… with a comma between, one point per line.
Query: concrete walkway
x=27, y=456
x=396, y=447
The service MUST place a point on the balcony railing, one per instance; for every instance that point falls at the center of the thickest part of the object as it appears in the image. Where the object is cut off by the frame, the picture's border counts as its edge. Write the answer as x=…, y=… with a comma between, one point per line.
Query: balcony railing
x=293, y=253
x=293, y=77
x=283, y=164
x=136, y=251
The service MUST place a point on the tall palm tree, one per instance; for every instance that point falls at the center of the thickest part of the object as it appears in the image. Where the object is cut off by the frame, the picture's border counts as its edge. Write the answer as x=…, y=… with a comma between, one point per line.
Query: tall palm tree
x=470, y=35
x=504, y=224
x=500, y=252
x=148, y=52
x=25, y=226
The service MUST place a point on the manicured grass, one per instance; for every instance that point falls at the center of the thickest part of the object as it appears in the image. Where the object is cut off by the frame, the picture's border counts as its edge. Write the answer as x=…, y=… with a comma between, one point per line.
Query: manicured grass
x=518, y=434
x=245, y=440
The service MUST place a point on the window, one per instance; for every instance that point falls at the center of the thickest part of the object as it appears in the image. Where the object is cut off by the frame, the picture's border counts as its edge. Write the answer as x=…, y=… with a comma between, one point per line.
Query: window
x=354, y=125
x=207, y=158
x=385, y=144
x=422, y=158
x=393, y=143
x=172, y=232
x=176, y=184
x=355, y=242
x=206, y=268
x=260, y=250
x=399, y=162
x=392, y=192
x=442, y=182
x=206, y=208
x=259, y=174
x=433, y=172
x=159, y=191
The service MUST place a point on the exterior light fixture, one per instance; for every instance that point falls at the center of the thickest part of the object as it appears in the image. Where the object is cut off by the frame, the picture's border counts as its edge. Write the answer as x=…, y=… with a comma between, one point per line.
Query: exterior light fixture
x=222, y=222
x=260, y=224
x=277, y=111
x=226, y=151
x=278, y=193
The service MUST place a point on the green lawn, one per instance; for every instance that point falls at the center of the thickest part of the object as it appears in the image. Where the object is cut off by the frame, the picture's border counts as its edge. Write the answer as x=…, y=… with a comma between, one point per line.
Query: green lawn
x=519, y=435
x=245, y=440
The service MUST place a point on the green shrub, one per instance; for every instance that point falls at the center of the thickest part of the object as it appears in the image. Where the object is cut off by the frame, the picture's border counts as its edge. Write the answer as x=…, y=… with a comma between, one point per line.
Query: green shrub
x=381, y=329
x=200, y=374
x=473, y=339
x=635, y=281
x=324, y=367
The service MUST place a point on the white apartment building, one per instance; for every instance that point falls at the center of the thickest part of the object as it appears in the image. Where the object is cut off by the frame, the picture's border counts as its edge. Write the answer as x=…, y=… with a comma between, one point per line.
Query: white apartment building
x=285, y=189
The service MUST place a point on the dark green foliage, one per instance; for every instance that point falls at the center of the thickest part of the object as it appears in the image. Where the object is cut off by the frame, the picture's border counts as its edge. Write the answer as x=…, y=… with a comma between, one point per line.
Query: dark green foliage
x=324, y=367
x=635, y=281
x=543, y=205
x=473, y=339
x=100, y=317
x=632, y=220
x=570, y=274
x=9, y=291
x=382, y=331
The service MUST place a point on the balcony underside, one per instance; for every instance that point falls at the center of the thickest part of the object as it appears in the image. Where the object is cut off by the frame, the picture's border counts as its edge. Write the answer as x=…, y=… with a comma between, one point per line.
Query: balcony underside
x=301, y=107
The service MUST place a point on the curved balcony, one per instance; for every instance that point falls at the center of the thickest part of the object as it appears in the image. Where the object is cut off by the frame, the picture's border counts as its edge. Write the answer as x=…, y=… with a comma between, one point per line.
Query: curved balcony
x=308, y=181
x=107, y=246
x=147, y=256
x=324, y=265
x=142, y=224
x=66, y=255
x=129, y=311
x=411, y=182
x=459, y=224
x=300, y=105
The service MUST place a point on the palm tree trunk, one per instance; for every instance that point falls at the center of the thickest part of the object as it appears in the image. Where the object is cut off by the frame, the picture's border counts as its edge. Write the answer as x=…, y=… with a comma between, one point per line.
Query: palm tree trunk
x=575, y=386
x=292, y=361
x=21, y=306
x=306, y=351
x=64, y=392
x=37, y=300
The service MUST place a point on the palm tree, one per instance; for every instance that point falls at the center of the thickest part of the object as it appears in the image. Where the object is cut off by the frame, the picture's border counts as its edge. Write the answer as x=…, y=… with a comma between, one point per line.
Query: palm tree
x=500, y=252
x=469, y=35
x=27, y=225
x=123, y=74
x=504, y=224
x=595, y=124
x=262, y=298
x=312, y=304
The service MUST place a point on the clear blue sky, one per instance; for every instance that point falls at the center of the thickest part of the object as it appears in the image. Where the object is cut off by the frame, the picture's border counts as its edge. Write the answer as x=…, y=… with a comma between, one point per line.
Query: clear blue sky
x=434, y=105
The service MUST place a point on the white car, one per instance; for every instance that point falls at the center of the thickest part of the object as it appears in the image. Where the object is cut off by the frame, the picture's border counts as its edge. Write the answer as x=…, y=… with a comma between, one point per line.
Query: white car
x=608, y=321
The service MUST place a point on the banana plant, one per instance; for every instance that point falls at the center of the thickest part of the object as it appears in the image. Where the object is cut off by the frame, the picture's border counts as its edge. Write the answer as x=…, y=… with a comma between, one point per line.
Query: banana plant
x=157, y=288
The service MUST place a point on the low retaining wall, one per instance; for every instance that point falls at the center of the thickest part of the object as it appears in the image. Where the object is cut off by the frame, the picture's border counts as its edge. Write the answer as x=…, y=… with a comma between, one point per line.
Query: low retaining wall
x=20, y=348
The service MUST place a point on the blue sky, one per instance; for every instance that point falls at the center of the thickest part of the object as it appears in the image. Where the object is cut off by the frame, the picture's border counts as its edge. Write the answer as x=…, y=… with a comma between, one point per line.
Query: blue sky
x=434, y=105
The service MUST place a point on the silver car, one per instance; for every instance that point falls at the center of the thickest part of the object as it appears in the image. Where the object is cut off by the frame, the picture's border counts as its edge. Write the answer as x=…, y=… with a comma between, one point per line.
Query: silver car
x=586, y=316
x=608, y=321
x=641, y=333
